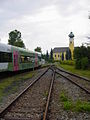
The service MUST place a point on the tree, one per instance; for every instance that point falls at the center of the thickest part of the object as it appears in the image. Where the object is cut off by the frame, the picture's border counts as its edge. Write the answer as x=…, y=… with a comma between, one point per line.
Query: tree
x=62, y=56
x=82, y=57
x=15, y=39
x=38, y=49
x=43, y=56
x=51, y=54
x=88, y=54
x=68, y=54
x=80, y=52
x=47, y=56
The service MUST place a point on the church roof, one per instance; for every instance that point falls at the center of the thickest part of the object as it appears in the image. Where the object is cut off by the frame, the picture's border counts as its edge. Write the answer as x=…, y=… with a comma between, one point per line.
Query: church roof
x=60, y=49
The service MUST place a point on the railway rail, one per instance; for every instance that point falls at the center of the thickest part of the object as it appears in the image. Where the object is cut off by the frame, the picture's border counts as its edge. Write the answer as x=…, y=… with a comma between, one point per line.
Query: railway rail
x=43, y=108
x=6, y=111
x=79, y=81
x=86, y=79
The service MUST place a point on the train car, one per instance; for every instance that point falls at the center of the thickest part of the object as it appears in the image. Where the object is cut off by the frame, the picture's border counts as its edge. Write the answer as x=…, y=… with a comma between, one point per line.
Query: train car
x=15, y=58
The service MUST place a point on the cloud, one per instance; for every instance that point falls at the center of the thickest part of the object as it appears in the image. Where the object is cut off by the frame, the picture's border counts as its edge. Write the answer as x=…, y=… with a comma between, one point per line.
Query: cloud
x=45, y=23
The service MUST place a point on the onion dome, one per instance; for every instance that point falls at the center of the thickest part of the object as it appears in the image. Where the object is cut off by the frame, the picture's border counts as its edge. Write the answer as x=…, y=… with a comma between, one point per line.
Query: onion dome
x=71, y=35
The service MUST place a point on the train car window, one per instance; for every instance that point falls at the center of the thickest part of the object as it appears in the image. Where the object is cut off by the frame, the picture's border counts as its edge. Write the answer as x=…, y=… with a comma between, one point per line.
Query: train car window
x=25, y=59
x=5, y=57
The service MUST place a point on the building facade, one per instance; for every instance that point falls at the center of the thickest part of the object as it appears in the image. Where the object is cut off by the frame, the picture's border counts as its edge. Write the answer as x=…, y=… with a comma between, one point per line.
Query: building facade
x=59, y=53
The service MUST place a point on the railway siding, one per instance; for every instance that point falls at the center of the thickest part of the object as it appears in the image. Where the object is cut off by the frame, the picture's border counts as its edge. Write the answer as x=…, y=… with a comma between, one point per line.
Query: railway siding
x=64, y=96
x=84, y=84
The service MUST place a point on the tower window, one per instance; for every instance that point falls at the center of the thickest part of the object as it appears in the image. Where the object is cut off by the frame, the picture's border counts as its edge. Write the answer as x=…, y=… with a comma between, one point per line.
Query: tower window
x=58, y=55
x=55, y=55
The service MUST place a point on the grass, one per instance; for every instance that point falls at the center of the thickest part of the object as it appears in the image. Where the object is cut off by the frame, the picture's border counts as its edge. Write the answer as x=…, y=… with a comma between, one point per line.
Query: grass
x=84, y=73
x=45, y=94
x=78, y=106
x=10, y=85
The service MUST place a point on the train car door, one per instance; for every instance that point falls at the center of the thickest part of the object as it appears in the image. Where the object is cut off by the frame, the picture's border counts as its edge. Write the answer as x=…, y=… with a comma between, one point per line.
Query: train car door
x=15, y=60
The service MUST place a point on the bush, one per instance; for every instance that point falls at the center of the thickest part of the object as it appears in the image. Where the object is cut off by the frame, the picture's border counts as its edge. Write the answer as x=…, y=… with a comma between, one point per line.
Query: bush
x=68, y=62
x=78, y=64
x=84, y=63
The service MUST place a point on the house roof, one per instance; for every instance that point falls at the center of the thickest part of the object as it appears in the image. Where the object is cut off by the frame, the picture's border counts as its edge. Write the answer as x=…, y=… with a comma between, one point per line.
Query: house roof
x=60, y=49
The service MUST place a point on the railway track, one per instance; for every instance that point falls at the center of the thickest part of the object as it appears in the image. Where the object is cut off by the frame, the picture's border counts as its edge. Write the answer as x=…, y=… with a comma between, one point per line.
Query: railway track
x=30, y=103
x=34, y=102
x=79, y=81
x=52, y=111
x=77, y=76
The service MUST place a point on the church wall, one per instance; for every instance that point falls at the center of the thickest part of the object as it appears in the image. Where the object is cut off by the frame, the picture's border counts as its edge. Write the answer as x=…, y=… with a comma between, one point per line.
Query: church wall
x=58, y=56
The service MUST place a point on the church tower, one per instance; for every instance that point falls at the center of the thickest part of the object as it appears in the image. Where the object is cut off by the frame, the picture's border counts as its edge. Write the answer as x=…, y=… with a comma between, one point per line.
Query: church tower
x=71, y=43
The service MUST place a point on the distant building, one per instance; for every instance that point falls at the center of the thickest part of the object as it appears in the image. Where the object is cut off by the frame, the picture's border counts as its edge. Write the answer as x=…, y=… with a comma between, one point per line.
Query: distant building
x=60, y=53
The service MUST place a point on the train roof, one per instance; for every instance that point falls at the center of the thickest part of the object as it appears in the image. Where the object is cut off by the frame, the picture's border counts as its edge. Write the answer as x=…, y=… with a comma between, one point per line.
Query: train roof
x=8, y=48
x=5, y=48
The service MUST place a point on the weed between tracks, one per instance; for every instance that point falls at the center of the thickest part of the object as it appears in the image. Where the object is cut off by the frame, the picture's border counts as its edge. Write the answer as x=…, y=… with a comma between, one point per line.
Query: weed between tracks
x=45, y=94
x=10, y=85
x=78, y=106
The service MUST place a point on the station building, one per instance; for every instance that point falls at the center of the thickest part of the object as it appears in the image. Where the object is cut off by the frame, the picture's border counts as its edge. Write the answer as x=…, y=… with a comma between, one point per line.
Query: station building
x=58, y=52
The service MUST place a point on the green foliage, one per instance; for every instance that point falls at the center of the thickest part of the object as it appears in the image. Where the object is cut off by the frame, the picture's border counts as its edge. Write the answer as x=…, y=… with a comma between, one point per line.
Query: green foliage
x=47, y=56
x=78, y=64
x=19, y=43
x=82, y=56
x=45, y=94
x=68, y=62
x=82, y=106
x=71, y=68
x=68, y=105
x=80, y=52
x=62, y=56
x=63, y=97
x=15, y=39
x=38, y=49
x=78, y=106
x=10, y=85
x=43, y=56
x=88, y=55
x=51, y=54
x=68, y=55
x=81, y=63
x=84, y=63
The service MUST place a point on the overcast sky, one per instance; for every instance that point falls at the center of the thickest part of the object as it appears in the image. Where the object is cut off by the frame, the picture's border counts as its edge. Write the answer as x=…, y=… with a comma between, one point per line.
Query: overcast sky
x=45, y=23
